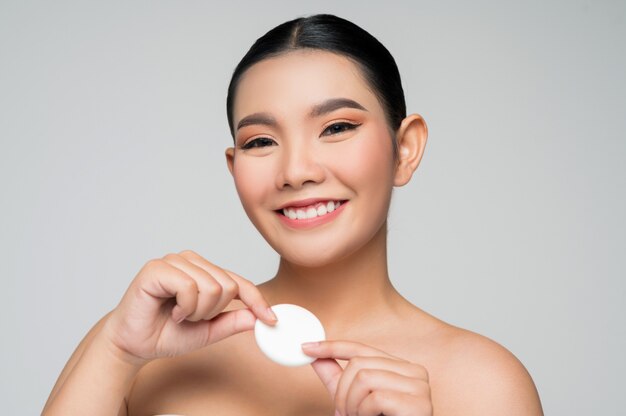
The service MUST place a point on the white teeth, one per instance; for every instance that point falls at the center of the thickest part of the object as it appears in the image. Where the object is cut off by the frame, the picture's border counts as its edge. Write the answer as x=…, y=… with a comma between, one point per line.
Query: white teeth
x=311, y=211
x=290, y=213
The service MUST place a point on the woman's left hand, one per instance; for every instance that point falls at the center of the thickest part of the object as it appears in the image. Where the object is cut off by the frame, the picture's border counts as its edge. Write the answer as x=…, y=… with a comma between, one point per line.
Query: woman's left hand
x=373, y=382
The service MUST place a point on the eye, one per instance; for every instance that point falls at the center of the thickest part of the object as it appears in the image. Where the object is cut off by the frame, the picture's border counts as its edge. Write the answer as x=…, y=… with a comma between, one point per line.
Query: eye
x=258, y=142
x=339, y=128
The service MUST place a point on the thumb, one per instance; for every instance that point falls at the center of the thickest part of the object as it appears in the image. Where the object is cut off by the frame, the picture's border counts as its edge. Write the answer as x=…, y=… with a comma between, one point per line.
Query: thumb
x=329, y=371
x=230, y=323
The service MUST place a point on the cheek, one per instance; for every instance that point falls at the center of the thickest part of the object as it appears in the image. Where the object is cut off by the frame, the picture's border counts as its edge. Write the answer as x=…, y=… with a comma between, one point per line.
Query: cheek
x=368, y=161
x=251, y=186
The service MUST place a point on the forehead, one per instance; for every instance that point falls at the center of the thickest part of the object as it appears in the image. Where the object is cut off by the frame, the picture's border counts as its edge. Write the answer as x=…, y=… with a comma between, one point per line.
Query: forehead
x=294, y=81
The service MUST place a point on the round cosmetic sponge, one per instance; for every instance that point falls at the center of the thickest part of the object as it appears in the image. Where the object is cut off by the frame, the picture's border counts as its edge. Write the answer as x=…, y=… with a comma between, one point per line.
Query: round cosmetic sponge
x=281, y=343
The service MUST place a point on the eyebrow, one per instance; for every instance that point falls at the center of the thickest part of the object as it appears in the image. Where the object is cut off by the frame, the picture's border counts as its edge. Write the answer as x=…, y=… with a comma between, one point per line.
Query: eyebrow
x=333, y=104
x=317, y=110
x=257, y=118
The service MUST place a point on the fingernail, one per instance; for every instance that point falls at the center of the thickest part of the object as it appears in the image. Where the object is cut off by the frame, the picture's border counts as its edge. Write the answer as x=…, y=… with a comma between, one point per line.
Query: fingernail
x=271, y=314
x=310, y=344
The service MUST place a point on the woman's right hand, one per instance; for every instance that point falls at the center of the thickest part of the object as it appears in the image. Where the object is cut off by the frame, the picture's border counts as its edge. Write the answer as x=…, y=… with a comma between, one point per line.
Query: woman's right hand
x=174, y=306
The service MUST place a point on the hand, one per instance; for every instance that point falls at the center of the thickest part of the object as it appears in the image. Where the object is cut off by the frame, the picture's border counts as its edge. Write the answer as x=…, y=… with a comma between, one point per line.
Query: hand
x=373, y=382
x=174, y=306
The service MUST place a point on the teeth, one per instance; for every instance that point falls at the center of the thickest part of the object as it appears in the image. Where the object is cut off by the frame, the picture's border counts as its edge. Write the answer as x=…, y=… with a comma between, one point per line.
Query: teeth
x=311, y=211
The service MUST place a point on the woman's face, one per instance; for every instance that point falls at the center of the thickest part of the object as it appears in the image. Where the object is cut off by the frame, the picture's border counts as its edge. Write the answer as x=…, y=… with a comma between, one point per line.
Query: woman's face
x=293, y=143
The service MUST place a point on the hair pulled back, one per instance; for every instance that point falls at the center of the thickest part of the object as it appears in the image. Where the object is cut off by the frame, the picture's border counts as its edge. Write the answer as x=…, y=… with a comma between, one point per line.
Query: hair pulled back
x=333, y=34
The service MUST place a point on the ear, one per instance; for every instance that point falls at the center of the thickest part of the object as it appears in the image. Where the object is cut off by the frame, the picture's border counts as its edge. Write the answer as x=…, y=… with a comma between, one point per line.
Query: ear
x=230, y=158
x=411, y=137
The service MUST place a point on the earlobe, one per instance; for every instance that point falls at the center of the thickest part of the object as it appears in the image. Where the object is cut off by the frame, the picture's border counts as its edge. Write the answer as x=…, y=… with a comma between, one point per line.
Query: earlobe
x=230, y=158
x=412, y=136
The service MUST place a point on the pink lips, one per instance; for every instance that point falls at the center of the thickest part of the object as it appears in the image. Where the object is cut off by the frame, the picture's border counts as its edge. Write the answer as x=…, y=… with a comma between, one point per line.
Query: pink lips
x=311, y=222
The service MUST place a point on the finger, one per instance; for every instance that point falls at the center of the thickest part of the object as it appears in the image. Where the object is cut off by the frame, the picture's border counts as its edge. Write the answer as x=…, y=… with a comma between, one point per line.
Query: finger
x=246, y=290
x=329, y=371
x=229, y=290
x=402, y=367
x=390, y=402
x=356, y=352
x=252, y=297
x=360, y=366
x=355, y=365
x=166, y=281
x=230, y=323
x=343, y=350
x=368, y=380
x=211, y=289
x=219, y=286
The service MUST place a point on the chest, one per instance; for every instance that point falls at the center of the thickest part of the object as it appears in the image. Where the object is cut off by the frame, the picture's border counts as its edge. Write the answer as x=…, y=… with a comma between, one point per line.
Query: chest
x=231, y=378
x=224, y=386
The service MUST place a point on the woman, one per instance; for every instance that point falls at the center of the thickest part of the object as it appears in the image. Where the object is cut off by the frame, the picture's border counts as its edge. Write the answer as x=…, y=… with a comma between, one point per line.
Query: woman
x=321, y=138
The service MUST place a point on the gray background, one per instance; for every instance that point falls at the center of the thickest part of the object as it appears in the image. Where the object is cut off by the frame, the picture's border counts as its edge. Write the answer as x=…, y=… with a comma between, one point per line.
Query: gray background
x=113, y=126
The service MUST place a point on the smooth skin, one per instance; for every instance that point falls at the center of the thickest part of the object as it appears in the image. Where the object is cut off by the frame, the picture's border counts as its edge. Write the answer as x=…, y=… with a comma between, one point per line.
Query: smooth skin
x=179, y=342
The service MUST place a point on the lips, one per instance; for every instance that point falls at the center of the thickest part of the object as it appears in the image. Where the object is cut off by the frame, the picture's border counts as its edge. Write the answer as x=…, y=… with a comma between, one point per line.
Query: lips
x=308, y=212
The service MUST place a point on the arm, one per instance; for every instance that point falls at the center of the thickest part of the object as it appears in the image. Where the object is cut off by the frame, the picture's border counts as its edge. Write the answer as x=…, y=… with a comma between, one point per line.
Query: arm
x=78, y=352
x=91, y=357
x=172, y=307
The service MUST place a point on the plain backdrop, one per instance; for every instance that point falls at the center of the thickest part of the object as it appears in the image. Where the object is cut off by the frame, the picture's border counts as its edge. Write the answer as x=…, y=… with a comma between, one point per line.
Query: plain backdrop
x=113, y=129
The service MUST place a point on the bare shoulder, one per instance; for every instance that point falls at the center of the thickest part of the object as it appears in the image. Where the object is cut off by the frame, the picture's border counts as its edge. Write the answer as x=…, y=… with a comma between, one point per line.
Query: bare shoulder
x=477, y=376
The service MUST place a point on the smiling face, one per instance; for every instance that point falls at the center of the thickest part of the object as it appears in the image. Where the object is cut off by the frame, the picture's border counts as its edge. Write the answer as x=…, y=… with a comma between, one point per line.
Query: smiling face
x=308, y=127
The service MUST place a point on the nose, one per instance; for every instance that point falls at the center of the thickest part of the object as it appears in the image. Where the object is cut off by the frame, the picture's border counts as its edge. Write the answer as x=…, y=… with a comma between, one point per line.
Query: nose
x=299, y=164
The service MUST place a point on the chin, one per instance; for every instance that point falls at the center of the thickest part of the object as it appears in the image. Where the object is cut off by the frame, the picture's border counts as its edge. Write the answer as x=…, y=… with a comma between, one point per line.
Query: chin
x=319, y=249
x=313, y=258
x=311, y=262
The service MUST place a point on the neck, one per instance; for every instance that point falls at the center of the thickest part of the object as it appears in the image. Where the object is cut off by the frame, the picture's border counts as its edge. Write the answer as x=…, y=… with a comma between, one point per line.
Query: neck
x=353, y=290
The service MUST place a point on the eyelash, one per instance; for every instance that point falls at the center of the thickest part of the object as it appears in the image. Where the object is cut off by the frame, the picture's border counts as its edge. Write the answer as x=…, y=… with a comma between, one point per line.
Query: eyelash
x=348, y=126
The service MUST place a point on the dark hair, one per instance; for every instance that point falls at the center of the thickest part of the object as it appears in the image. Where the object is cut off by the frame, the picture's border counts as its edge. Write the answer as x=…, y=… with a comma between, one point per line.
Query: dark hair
x=334, y=34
